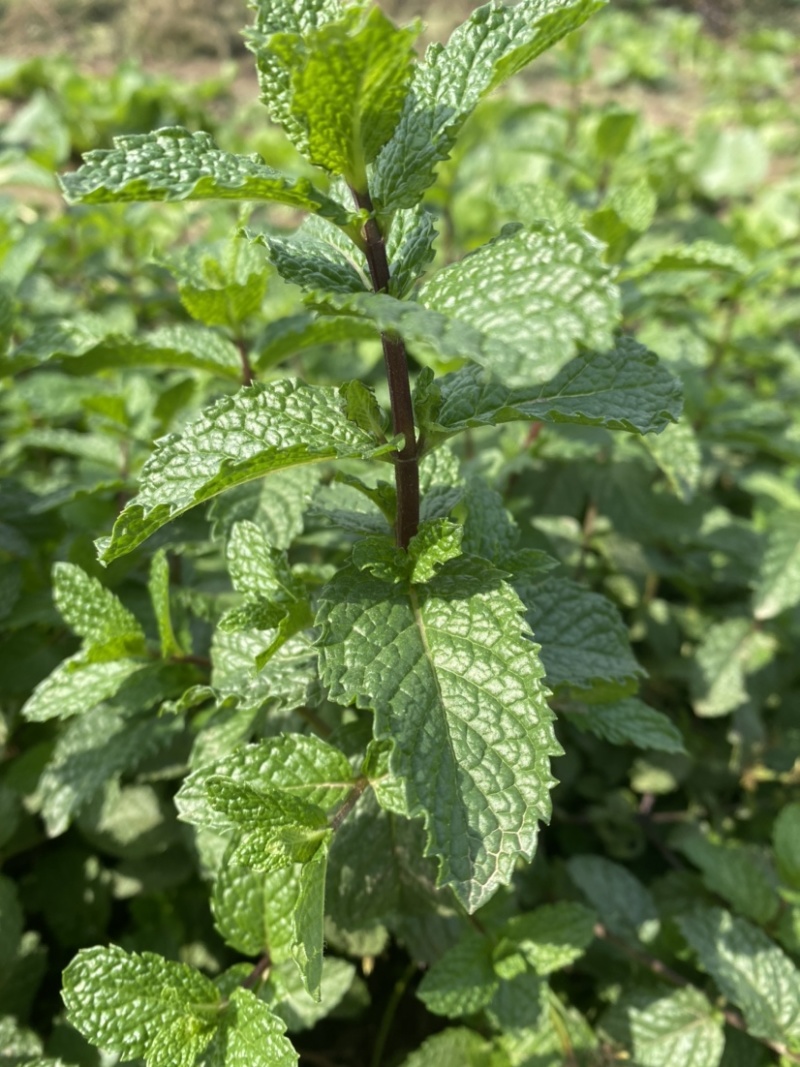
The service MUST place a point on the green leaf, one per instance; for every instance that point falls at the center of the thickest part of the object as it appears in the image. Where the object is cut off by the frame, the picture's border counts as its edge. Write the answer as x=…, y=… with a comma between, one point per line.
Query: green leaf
x=539, y=290
x=552, y=936
x=276, y=505
x=737, y=873
x=623, y=903
x=17, y=1045
x=348, y=84
x=95, y=613
x=271, y=829
x=263, y=428
x=778, y=581
x=95, y=748
x=631, y=722
x=730, y=651
x=456, y=685
x=250, y=1034
x=295, y=333
x=625, y=388
x=122, y=1001
x=463, y=981
x=253, y=910
x=158, y=586
x=309, y=922
x=11, y=922
x=313, y=264
x=298, y=764
x=221, y=285
x=495, y=42
x=786, y=838
x=453, y=1047
x=677, y=452
x=258, y=569
x=750, y=970
x=583, y=638
x=294, y=1005
x=83, y=350
x=663, y=1031
x=174, y=164
x=409, y=248
x=76, y=685
x=700, y=255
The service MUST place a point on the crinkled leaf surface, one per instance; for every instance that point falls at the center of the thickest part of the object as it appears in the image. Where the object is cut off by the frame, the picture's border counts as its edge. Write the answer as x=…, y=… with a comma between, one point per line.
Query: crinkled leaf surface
x=313, y=264
x=250, y=1034
x=253, y=910
x=677, y=452
x=263, y=428
x=679, y=1028
x=456, y=684
x=174, y=164
x=409, y=248
x=495, y=42
x=454, y=1047
x=624, y=388
x=76, y=685
x=749, y=969
x=463, y=981
x=94, y=612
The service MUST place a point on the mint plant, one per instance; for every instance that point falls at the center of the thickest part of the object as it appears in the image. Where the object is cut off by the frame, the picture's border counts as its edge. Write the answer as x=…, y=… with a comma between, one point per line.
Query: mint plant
x=323, y=640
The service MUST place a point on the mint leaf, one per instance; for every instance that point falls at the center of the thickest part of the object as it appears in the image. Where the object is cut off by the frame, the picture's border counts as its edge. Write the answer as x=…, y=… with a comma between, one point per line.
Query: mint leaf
x=583, y=638
x=778, y=581
x=494, y=43
x=122, y=1001
x=454, y=1047
x=623, y=903
x=253, y=910
x=158, y=586
x=11, y=922
x=313, y=264
x=174, y=164
x=677, y=452
x=295, y=333
x=456, y=685
x=624, y=388
x=221, y=285
x=738, y=874
x=631, y=722
x=680, y=1028
x=539, y=290
x=730, y=651
x=552, y=936
x=463, y=981
x=77, y=685
x=348, y=85
x=409, y=248
x=294, y=1005
x=95, y=613
x=276, y=505
x=309, y=921
x=699, y=255
x=263, y=428
x=786, y=837
x=750, y=970
x=250, y=1034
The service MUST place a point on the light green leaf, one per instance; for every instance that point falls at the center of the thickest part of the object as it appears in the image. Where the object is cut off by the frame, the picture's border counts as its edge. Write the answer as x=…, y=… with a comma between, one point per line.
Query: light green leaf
x=495, y=42
x=583, y=638
x=94, y=749
x=436, y=541
x=276, y=505
x=95, y=613
x=348, y=85
x=298, y=764
x=456, y=685
x=17, y=1044
x=678, y=454
x=174, y=164
x=263, y=428
x=463, y=981
x=454, y=1047
x=552, y=936
x=700, y=255
x=313, y=264
x=309, y=922
x=250, y=1034
x=11, y=922
x=294, y=1005
x=76, y=685
x=409, y=248
x=631, y=722
x=623, y=903
x=737, y=873
x=518, y=1003
x=625, y=388
x=778, y=581
x=158, y=585
x=85, y=350
x=295, y=333
x=730, y=651
x=538, y=290
x=526, y=202
x=750, y=970
x=180, y=1042
x=253, y=910
x=221, y=285
x=613, y=132
x=786, y=838
x=120, y=1001
x=680, y=1028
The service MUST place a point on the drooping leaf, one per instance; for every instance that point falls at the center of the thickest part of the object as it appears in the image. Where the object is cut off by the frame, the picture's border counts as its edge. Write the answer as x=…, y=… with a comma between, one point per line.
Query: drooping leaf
x=76, y=685
x=296, y=1007
x=158, y=586
x=295, y=333
x=625, y=388
x=309, y=921
x=409, y=248
x=495, y=42
x=677, y=452
x=680, y=1027
x=631, y=722
x=623, y=903
x=700, y=255
x=456, y=685
x=174, y=164
x=253, y=910
x=259, y=430
x=750, y=970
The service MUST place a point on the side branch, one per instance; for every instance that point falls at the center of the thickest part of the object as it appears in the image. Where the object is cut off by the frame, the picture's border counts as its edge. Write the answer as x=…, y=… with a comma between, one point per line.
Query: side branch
x=396, y=363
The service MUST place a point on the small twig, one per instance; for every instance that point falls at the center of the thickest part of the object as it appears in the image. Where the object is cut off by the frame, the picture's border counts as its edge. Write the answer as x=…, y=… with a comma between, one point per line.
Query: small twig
x=314, y=721
x=247, y=371
x=259, y=972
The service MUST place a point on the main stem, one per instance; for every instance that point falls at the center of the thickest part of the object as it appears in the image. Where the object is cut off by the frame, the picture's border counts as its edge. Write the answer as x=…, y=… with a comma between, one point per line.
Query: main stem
x=406, y=463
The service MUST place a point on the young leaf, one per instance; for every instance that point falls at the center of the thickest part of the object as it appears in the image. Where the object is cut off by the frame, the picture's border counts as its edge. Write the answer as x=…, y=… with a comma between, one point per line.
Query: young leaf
x=122, y=1001
x=309, y=921
x=250, y=1033
x=254, y=910
x=494, y=43
x=677, y=452
x=295, y=333
x=663, y=1031
x=623, y=903
x=95, y=613
x=624, y=388
x=456, y=684
x=409, y=248
x=348, y=84
x=263, y=428
x=174, y=164
x=463, y=981
x=276, y=505
x=778, y=581
x=750, y=970
x=454, y=1047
